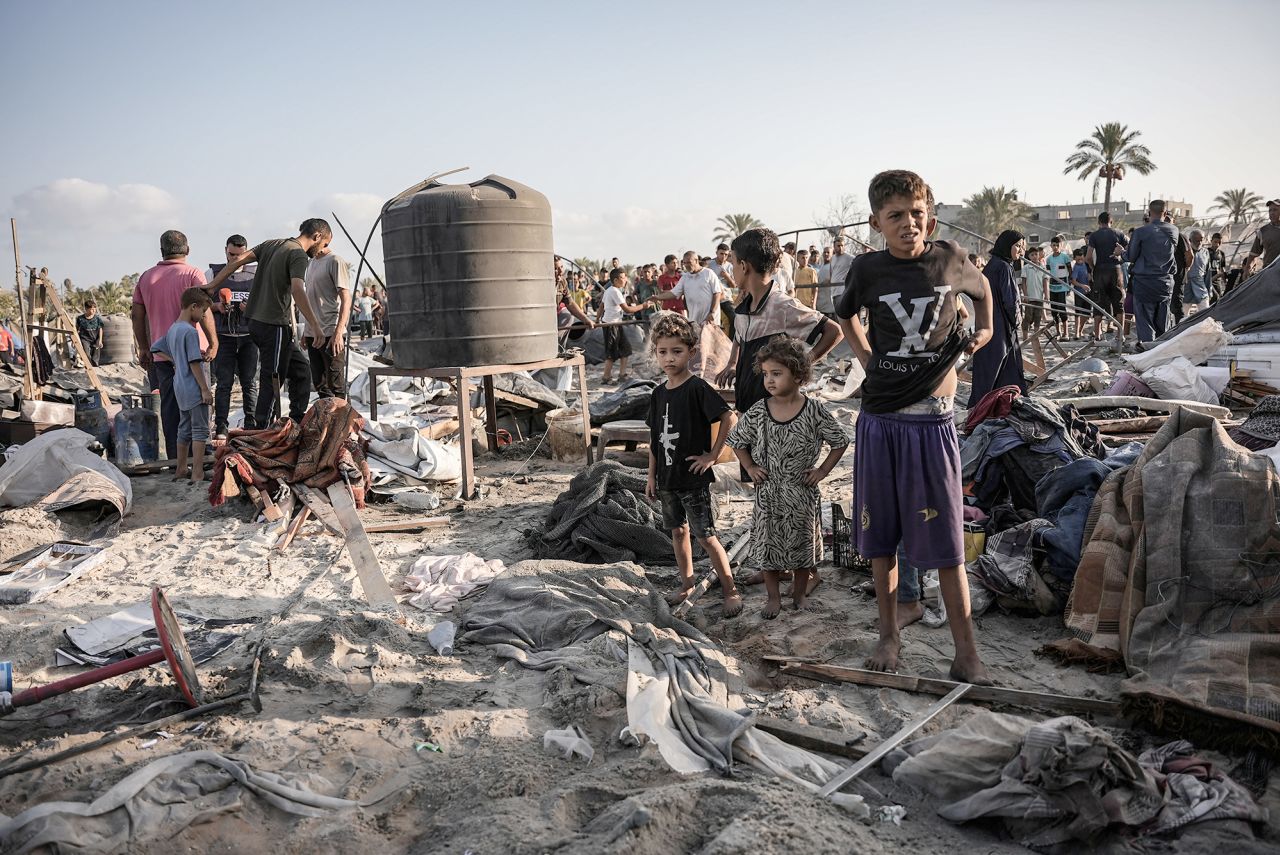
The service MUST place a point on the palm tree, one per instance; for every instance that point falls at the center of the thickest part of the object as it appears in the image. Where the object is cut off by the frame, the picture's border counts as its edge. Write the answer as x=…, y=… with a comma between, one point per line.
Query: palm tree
x=1106, y=154
x=992, y=210
x=730, y=226
x=112, y=297
x=1240, y=205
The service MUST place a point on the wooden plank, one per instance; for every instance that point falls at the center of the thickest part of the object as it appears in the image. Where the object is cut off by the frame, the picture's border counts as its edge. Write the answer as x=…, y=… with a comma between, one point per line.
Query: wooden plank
x=1045, y=701
x=813, y=738
x=490, y=411
x=408, y=525
x=376, y=589
x=52, y=294
x=320, y=508
x=30, y=392
x=876, y=754
x=699, y=588
x=465, y=437
x=149, y=468
x=294, y=527
x=269, y=508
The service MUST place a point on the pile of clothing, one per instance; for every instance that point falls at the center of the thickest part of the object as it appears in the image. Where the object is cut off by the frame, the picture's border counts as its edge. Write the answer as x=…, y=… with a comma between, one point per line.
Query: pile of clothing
x=1034, y=469
x=1179, y=579
x=324, y=449
x=1062, y=784
x=604, y=516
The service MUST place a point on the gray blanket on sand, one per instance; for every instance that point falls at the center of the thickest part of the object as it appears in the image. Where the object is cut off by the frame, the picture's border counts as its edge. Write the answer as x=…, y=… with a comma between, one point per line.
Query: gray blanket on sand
x=154, y=803
x=604, y=516
x=544, y=613
x=541, y=620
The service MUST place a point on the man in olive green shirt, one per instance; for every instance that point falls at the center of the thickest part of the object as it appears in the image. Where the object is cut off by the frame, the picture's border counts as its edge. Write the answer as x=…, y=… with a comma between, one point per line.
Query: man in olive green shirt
x=278, y=285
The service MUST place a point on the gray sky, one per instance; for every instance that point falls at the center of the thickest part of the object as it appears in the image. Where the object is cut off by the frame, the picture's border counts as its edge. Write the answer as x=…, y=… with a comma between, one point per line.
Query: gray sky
x=641, y=124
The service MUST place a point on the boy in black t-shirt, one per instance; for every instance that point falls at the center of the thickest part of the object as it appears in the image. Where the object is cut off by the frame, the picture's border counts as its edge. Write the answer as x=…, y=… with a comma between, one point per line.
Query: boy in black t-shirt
x=681, y=455
x=907, y=455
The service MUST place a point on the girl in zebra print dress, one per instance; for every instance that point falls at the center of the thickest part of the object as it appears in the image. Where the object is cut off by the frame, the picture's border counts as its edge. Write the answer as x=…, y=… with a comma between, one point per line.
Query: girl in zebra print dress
x=778, y=442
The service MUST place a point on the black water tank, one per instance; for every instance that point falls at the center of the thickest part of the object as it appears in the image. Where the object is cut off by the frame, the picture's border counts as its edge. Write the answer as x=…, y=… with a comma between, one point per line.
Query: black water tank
x=117, y=340
x=470, y=275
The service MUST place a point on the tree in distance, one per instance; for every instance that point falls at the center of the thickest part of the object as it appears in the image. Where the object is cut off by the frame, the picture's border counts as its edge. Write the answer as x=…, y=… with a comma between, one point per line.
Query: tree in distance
x=1106, y=154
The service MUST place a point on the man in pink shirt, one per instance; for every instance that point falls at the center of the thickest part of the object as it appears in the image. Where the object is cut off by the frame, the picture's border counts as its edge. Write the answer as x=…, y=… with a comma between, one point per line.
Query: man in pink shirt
x=157, y=302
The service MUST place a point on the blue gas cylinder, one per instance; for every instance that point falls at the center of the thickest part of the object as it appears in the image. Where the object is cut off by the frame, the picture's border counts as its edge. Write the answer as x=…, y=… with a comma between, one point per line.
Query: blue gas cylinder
x=92, y=418
x=137, y=434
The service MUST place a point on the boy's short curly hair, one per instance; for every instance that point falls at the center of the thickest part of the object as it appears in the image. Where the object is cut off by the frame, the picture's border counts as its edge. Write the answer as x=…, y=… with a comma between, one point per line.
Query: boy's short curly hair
x=758, y=249
x=788, y=352
x=671, y=325
x=898, y=182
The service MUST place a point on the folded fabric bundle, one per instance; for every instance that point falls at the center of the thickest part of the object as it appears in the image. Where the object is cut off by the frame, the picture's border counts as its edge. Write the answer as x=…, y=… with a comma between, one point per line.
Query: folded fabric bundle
x=604, y=516
x=318, y=452
x=442, y=580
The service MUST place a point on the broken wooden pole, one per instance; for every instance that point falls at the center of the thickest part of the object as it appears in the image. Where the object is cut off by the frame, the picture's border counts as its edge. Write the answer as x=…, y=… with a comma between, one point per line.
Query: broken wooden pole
x=702, y=586
x=814, y=738
x=408, y=525
x=376, y=589
x=294, y=527
x=1043, y=701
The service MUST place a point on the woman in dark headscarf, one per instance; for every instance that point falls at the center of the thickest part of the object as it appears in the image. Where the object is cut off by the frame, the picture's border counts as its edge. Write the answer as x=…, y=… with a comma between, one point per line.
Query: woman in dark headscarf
x=1000, y=362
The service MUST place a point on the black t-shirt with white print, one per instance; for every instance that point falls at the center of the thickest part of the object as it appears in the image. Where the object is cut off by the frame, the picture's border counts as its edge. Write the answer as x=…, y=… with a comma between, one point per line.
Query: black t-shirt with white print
x=680, y=421
x=915, y=332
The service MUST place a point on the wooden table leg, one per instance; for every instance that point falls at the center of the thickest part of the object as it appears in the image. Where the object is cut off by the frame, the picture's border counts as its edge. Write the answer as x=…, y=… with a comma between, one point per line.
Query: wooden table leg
x=586, y=409
x=464, y=437
x=490, y=412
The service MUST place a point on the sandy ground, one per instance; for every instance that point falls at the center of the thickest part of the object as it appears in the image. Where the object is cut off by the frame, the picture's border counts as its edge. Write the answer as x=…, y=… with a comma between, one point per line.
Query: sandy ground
x=348, y=694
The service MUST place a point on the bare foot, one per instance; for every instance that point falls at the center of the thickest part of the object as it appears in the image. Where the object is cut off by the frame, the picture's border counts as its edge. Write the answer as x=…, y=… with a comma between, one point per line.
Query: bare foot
x=909, y=613
x=675, y=598
x=757, y=578
x=772, y=609
x=732, y=603
x=970, y=669
x=195, y=480
x=814, y=582
x=885, y=656
x=181, y=476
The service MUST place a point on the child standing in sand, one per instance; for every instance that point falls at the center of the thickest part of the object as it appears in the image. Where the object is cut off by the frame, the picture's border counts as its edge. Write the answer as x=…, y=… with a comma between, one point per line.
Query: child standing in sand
x=681, y=454
x=190, y=385
x=906, y=485
x=778, y=442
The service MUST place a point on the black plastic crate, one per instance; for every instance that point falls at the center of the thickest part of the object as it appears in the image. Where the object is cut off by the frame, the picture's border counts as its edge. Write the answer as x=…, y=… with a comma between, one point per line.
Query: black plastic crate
x=843, y=552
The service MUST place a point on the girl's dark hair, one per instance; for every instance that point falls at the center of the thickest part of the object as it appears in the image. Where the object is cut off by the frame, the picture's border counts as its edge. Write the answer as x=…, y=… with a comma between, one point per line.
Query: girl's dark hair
x=788, y=352
x=671, y=325
x=758, y=249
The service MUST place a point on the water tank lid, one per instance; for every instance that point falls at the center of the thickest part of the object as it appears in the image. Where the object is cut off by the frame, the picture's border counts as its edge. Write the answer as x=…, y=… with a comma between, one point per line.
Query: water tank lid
x=489, y=188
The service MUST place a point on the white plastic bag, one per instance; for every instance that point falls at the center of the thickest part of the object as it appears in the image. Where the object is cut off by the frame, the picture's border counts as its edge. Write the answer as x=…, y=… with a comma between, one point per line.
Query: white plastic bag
x=1178, y=380
x=567, y=743
x=1196, y=345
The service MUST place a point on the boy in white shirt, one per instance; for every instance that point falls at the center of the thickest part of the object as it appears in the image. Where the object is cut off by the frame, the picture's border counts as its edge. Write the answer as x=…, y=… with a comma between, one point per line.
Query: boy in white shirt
x=612, y=304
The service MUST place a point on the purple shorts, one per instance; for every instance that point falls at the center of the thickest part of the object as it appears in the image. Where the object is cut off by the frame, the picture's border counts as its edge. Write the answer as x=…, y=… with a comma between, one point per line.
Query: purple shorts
x=906, y=488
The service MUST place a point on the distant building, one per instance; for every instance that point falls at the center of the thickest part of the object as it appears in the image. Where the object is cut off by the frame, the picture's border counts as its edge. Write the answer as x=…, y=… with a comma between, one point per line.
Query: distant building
x=1044, y=221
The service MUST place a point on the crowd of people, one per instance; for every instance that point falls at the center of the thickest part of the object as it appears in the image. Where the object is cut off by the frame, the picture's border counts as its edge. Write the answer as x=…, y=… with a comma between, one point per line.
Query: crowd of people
x=279, y=312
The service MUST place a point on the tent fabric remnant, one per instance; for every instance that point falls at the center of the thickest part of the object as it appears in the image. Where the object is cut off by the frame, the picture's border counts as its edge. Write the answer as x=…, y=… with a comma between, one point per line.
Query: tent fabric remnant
x=34, y=575
x=156, y=802
x=1191, y=607
x=318, y=452
x=628, y=401
x=1061, y=783
x=544, y=614
x=603, y=517
x=441, y=580
x=49, y=461
x=1250, y=307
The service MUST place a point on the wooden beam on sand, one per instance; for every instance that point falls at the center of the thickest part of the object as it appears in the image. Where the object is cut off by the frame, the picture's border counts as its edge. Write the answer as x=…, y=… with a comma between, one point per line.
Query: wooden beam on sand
x=320, y=508
x=376, y=589
x=814, y=738
x=415, y=524
x=52, y=293
x=1043, y=701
